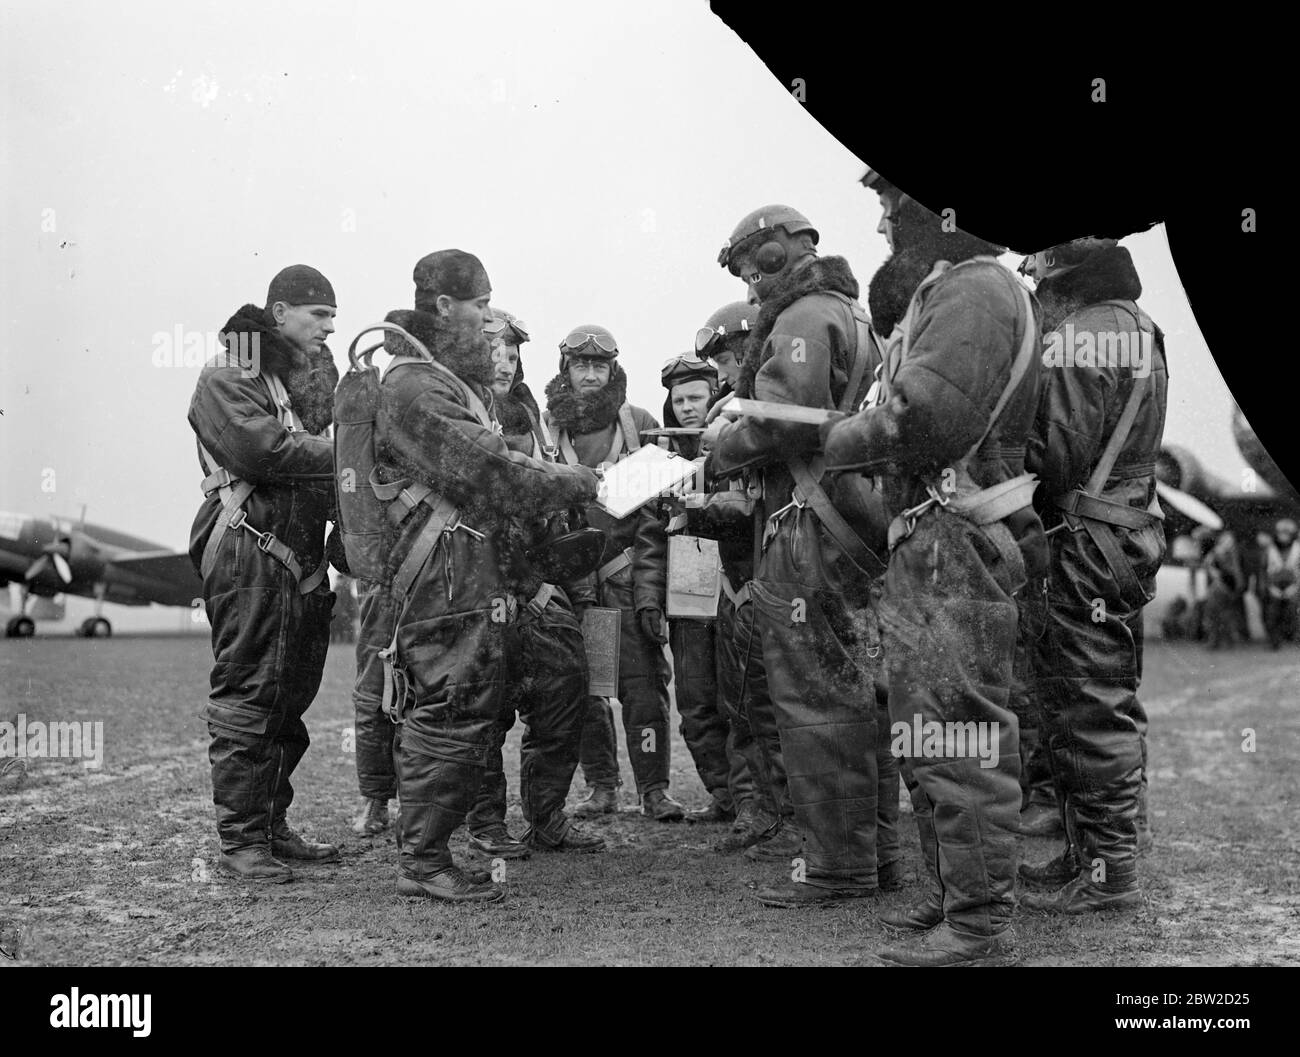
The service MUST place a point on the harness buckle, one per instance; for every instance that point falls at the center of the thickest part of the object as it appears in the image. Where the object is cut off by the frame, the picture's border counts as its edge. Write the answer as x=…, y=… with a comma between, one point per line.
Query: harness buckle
x=240, y=520
x=265, y=541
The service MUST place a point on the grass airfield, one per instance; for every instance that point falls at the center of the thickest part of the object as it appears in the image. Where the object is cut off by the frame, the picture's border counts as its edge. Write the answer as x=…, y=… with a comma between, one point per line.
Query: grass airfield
x=116, y=865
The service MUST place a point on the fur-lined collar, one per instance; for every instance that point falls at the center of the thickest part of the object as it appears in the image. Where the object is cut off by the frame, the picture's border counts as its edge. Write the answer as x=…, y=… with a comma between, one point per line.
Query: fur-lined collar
x=470, y=361
x=577, y=414
x=819, y=275
x=1104, y=276
x=309, y=378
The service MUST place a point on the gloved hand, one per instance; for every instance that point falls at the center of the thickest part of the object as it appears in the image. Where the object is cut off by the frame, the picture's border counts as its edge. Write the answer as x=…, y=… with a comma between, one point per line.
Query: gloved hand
x=591, y=481
x=652, y=625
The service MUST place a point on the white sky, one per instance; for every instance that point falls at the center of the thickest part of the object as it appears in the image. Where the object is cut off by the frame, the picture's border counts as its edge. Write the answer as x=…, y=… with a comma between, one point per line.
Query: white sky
x=593, y=155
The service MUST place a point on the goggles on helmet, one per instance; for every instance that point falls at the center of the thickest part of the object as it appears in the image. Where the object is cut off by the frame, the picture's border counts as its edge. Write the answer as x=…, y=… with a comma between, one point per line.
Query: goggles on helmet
x=686, y=367
x=579, y=340
x=707, y=337
x=496, y=326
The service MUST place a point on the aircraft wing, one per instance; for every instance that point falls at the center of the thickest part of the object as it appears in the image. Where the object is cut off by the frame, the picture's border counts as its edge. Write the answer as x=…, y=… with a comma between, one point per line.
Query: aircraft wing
x=164, y=577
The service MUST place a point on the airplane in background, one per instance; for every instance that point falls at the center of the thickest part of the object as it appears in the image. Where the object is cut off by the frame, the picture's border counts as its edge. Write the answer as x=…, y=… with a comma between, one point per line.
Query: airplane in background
x=53, y=556
x=1191, y=495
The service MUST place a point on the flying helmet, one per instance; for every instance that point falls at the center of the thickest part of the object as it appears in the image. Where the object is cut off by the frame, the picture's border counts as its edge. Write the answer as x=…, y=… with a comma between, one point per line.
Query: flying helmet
x=739, y=317
x=769, y=257
x=1064, y=257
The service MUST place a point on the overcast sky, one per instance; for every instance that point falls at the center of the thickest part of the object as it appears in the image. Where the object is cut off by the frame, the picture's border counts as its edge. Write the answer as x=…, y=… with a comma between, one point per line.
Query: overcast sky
x=161, y=162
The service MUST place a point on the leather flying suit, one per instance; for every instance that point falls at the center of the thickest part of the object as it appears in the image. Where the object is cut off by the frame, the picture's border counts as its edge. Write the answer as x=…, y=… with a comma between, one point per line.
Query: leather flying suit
x=1088, y=664
x=268, y=639
x=948, y=609
x=821, y=653
x=453, y=627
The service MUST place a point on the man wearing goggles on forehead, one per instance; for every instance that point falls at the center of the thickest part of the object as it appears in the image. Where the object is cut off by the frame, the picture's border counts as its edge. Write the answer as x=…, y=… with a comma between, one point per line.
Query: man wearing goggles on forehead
x=548, y=687
x=593, y=424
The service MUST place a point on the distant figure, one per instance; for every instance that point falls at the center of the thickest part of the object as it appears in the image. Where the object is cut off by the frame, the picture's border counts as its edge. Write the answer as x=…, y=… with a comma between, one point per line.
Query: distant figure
x=1173, y=626
x=1224, y=617
x=1279, y=581
x=343, y=625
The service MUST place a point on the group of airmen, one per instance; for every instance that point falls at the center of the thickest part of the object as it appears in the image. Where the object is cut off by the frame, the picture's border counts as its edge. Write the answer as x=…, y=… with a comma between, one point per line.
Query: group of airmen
x=951, y=534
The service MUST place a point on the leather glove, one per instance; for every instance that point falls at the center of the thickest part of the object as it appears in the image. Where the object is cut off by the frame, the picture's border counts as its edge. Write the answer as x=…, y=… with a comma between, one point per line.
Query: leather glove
x=652, y=625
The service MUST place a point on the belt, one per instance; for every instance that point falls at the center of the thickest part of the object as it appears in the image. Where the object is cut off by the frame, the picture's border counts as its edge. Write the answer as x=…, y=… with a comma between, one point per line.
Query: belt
x=614, y=565
x=1082, y=505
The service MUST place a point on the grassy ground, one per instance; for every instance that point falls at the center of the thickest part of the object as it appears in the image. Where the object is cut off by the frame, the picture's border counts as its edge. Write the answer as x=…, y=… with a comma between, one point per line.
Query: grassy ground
x=116, y=865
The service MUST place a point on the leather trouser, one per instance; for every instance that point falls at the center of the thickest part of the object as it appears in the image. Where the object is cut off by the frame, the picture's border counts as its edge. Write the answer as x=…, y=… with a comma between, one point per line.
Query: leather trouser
x=452, y=642
x=704, y=728
x=269, y=643
x=1088, y=666
x=548, y=690
x=743, y=689
x=950, y=623
x=643, y=676
x=821, y=658
x=376, y=776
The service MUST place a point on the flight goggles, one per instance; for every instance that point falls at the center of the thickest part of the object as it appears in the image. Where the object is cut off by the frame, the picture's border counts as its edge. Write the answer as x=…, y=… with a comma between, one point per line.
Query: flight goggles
x=580, y=339
x=496, y=326
x=682, y=368
x=707, y=337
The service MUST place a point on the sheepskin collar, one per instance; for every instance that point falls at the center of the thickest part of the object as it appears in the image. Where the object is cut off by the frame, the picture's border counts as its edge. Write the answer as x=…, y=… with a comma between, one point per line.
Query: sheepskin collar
x=821, y=274
x=577, y=414
x=1104, y=276
x=308, y=378
x=465, y=351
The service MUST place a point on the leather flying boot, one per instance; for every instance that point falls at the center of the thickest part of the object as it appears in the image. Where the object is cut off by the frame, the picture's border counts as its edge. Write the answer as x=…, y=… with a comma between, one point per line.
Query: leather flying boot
x=919, y=917
x=372, y=819
x=600, y=800
x=716, y=812
x=255, y=864
x=1052, y=874
x=1083, y=896
x=452, y=885
x=659, y=806
x=945, y=946
x=792, y=895
x=496, y=842
x=749, y=830
x=567, y=836
x=286, y=844
x=784, y=844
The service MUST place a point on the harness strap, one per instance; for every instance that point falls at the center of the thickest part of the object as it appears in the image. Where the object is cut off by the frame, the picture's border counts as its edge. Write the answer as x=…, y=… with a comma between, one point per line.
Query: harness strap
x=614, y=565
x=401, y=496
x=807, y=476
x=235, y=492
x=736, y=598
x=630, y=433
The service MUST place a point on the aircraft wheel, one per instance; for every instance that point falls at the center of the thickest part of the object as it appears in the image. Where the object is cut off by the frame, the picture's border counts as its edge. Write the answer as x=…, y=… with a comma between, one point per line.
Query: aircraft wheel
x=20, y=628
x=98, y=628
